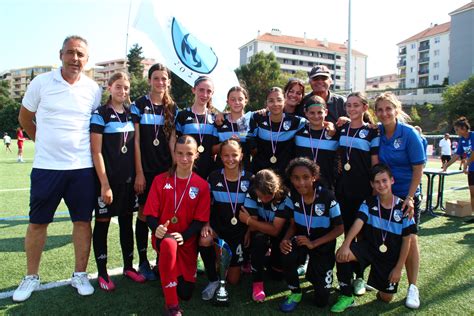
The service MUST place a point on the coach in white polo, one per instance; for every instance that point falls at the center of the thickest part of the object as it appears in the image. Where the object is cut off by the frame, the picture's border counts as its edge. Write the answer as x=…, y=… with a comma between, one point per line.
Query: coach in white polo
x=56, y=113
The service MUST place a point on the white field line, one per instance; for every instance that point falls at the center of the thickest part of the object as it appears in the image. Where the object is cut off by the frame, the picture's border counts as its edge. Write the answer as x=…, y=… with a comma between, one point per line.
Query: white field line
x=11, y=190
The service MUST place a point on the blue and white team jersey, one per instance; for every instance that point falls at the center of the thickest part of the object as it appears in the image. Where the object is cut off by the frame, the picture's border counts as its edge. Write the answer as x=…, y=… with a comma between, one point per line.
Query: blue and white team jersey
x=356, y=148
x=321, y=216
x=466, y=146
x=401, y=152
x=239, y=128
x=201, y=127
x=264, y=136
x=267, y=212
x=318, y=146
x=222, y=202
x=117, y=133
x=155, y=158
x=395, y=227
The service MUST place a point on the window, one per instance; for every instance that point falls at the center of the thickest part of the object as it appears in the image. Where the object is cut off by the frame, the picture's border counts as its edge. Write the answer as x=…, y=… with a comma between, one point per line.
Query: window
x=250, y=48
x=412, y=57
x=436, y=65
x=413, y=46
x=412, y=81
x=437, y=40
x=411, y=69
x=436, y=77
x=436, y=52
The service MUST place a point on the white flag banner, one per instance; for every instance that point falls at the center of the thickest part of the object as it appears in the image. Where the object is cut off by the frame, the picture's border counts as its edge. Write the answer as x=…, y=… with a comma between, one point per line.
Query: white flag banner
x=166, y=39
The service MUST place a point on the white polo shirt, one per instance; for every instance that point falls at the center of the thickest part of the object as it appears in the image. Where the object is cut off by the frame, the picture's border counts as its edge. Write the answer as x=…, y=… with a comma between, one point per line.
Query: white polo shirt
x=63, y=113
x=445, y=145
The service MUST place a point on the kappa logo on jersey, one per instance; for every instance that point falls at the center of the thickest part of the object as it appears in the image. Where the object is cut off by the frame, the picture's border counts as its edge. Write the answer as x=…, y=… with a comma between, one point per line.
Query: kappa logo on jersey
x=319, y=209
x=225, y=126
x=343, y=130
x=219, y=185
x=147, y=108
x=397, y=143
x=333, y=203
x=100, y=202
x=297, y=204
x=305, y=131
x=244, y=185
x=171, y=284
x=274, y=207
x=210, y=119
x=191, y=51
x=136, y=202
x=103, y=210
x=363, y=133
x=286, y=125
x=391, y=287
x=265, y=123
x=189, y=118
x=397, y=215
x=168, y=186
x=96, y=112
x=375, y=208
x=193, y=192
x=102, y=257
x=113, y=116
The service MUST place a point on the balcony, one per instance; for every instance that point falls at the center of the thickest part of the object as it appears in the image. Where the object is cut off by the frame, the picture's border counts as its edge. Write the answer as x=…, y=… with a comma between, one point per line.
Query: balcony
x=402, y=51
x=423, y=72
x=402, y=63
x=424, y=60
x=424, y=47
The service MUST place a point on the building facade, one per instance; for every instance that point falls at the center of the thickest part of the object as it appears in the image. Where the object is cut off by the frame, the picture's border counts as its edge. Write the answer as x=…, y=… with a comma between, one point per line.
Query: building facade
x=296, y=53
x=106, y=69
x=19, y=78
x=461, y=38
x=382, y=82
x=423, y=58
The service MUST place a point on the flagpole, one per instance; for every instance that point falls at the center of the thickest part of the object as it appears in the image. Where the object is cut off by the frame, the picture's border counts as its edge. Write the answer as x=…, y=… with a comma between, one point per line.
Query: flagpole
x=349, y=51
x=128, y=27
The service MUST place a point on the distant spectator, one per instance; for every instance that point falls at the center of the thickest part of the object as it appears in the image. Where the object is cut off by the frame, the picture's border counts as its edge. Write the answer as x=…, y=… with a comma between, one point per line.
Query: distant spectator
x=19, y=141
x=7, y=140
x=445, y=146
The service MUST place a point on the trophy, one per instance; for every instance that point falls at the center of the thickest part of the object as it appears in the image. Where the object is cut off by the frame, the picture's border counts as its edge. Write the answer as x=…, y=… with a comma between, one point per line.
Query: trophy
x=221, y=297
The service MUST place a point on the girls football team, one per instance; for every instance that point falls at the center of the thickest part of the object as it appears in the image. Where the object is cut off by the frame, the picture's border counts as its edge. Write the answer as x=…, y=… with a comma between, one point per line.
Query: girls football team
x=273, y=187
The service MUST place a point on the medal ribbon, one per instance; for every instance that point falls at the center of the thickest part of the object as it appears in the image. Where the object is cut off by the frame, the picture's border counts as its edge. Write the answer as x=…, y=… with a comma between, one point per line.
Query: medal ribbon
x=182, y=194
x=125, y=133
x=201, y=134
x=308, y=225
x=348, y=154
x=315, y=155
x=274, y=145
x=157, y=129
x=233, y=206
x=384, y=236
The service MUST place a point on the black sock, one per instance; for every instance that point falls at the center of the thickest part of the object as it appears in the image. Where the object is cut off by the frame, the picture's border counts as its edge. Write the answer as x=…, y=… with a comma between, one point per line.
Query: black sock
x=208, y=255
x=141, y=234
x=99, y=241
x=126, y=240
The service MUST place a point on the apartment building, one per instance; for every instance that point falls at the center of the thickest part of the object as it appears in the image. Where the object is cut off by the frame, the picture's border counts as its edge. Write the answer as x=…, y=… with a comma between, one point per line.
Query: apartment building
x=461, y=48
x=423, y=58
x=20, y=78
x=106, y=69
x=302, y=53
x=382, y=82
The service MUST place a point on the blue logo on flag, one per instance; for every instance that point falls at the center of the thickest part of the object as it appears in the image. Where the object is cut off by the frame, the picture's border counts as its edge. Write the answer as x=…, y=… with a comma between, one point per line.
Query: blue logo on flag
x=191, y=52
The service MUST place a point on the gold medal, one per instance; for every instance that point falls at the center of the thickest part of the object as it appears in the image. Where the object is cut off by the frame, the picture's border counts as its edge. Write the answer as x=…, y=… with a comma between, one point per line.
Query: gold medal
x=201, y=148
x=233, y=221
x=156, y=142
x=174, y=220
x=383, y=248
x=124, y=149
x=347, y=166
x=273, y=159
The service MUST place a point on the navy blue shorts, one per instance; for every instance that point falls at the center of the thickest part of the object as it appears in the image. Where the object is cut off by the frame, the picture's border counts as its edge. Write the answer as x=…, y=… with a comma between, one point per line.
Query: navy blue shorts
x=48, y=187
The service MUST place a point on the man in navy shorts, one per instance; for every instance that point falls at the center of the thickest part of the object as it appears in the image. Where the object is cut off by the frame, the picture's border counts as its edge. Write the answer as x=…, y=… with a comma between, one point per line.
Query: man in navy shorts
x=55, y=113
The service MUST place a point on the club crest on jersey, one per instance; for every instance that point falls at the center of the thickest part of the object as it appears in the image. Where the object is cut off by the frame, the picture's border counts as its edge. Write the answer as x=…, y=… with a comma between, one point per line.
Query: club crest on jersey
x=397, y=143
x=319, y=209
x=286, y=125
x=193, y=192
x=397, y=215
x=327, y=136
x=168, y=186
x=363, y=133
x=244, y=185
x=100, y=202
x=210, y=119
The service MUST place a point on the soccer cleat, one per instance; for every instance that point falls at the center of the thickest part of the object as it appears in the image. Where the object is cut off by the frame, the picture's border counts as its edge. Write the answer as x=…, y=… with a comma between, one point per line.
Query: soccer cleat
x=343, y=303
x=359, y=286
x=413, y=297
x=29, y=284
x=291, y=302
x=147, y=272
x=106, y=285
x=172, y=310
x=133, y=275
x=208, y=293
x=81, y=282
x=258, y=294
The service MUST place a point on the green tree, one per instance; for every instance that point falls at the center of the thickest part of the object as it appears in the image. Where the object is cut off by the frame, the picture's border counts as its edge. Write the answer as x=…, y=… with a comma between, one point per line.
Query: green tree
x=459, y=100
x=134, y=57
x=300, y=74
x=9, y=109
x=262, y=73
x=415, y=116
x=181, y=92
x=138, y=87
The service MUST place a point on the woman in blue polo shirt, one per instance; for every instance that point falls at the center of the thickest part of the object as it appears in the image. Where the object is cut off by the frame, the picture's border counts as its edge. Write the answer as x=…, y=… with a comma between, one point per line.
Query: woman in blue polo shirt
x=402, y=150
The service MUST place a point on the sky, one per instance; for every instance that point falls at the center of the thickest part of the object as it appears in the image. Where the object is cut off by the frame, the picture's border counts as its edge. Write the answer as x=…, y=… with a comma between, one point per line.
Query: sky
x=32, y=31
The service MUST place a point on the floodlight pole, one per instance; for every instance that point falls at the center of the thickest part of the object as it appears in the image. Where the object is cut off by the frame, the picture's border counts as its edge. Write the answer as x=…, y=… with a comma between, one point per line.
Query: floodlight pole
x=349, y=51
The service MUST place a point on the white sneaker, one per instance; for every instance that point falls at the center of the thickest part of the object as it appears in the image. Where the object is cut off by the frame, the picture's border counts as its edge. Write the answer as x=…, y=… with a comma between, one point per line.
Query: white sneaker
x=26, y=287
x=413, y=297
x=81, y=282
x=208, y=293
